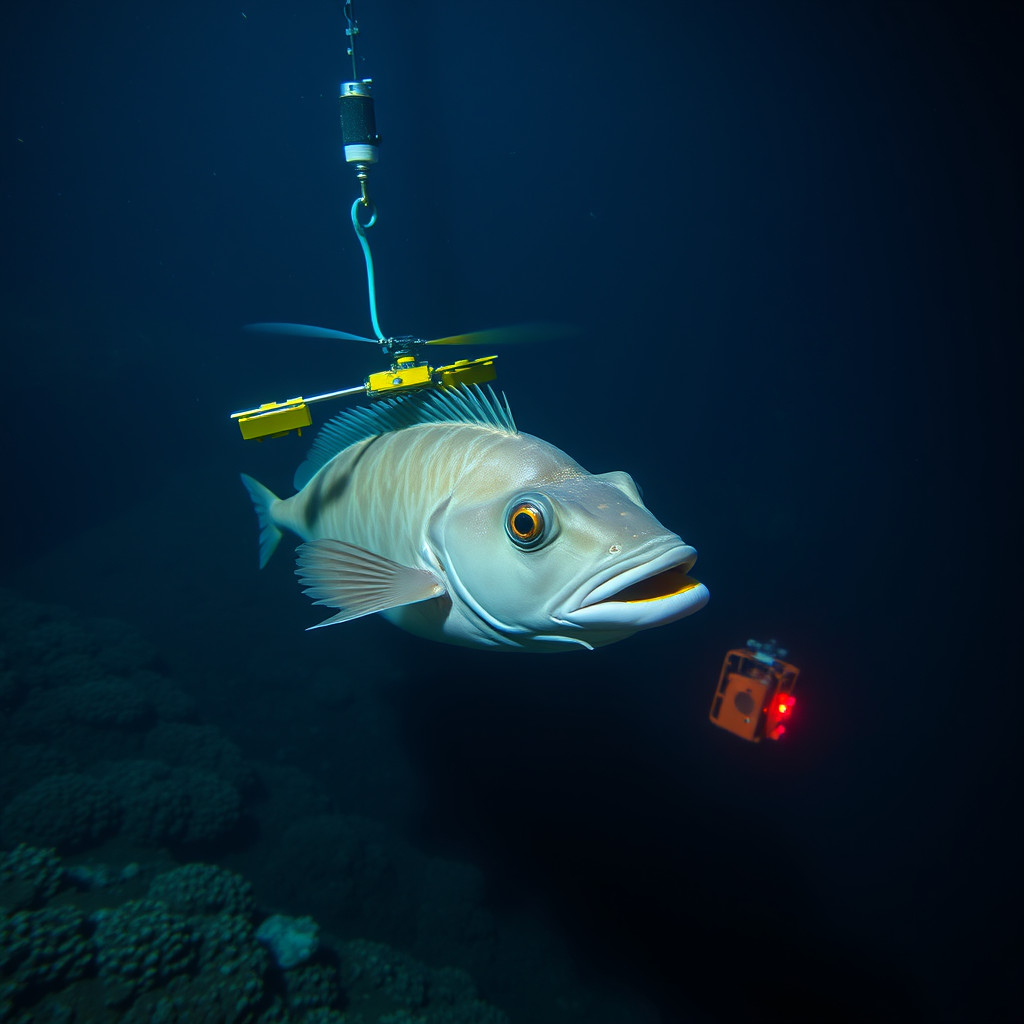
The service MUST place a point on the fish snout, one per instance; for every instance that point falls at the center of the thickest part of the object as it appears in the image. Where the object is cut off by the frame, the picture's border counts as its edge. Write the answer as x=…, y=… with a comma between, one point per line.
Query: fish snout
x=649, y=590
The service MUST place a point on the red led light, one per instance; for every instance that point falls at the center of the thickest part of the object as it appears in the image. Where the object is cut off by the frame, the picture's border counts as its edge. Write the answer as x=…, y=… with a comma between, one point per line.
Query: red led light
x=754, y=694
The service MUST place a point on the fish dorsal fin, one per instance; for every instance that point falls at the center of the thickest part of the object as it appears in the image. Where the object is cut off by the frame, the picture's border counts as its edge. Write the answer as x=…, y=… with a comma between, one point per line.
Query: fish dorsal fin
x=464, y=404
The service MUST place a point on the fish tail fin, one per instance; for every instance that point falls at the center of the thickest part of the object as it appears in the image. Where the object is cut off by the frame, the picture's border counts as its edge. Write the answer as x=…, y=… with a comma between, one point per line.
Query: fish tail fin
x=263, y=499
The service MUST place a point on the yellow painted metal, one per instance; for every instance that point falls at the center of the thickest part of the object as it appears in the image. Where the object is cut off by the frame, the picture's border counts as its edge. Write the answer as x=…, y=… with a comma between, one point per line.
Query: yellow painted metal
x=406, y=374
x=467, y=371
x=398, y=378
x=273, y=419
x=276, y=419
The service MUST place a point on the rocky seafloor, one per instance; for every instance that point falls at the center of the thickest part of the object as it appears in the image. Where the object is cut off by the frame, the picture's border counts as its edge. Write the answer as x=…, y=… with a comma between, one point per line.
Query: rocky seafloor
x=187, y=944
x=119, y=807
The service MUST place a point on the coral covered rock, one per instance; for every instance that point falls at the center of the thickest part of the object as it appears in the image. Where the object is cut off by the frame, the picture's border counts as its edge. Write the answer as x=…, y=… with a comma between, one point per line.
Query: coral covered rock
x=120, y=648
x=109, y=703
x=228, y=943
x=41, y=950
x=203, y=889
x=170, y=702
x=324, y=1015
x=68, y=812
x=350, y=867
x=93, y=717
x=164, y=805
x=313, y=987
x=29, y=876
x=24, y=764
x=369, y=967
x=56, y=637
x=397, y=988
x=202, y=747
x=228, y=986
x=156, y=808
x=214, y=805
x=140, y=946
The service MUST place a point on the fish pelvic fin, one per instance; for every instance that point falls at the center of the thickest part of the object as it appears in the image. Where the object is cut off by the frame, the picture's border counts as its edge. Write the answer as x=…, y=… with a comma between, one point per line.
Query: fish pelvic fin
x=358, y=582
x=263, y=499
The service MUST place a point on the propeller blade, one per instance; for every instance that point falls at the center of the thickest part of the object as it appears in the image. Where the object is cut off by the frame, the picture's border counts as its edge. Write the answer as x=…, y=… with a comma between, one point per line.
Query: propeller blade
x=306, y=331
x=515, y=335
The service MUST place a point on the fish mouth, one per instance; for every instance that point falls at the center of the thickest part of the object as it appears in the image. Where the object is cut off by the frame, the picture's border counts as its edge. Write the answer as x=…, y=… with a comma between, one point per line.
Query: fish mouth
x=651, y=593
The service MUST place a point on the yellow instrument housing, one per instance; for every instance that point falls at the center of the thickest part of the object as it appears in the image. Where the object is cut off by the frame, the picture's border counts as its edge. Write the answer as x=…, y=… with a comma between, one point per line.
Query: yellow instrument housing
x=274, y=419
x=403, y=375
x=467, y=371
x=408, y=375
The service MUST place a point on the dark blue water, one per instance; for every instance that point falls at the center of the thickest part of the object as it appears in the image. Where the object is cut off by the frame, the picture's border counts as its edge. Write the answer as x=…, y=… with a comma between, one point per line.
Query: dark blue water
x=791, y=236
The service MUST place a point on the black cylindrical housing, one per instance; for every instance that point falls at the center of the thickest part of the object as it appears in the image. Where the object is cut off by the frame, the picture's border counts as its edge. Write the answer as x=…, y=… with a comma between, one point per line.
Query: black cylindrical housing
x=358, y=123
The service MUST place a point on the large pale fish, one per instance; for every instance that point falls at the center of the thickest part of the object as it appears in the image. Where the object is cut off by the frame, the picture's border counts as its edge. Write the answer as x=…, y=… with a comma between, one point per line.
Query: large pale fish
x=434, y=510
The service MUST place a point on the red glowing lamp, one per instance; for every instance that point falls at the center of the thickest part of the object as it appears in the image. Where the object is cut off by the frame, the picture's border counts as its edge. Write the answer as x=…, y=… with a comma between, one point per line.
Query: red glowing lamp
x=754, y=697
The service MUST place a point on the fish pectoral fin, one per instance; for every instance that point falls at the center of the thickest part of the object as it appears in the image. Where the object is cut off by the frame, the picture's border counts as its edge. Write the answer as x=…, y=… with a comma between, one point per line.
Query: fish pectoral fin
x=358, y=582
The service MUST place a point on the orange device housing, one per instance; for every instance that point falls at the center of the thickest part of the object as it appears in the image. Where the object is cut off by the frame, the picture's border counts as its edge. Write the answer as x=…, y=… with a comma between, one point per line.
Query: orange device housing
x=754, y=697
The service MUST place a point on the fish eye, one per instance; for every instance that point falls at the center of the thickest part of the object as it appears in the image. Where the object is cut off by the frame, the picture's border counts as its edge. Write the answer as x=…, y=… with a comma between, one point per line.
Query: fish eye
x=528, y=520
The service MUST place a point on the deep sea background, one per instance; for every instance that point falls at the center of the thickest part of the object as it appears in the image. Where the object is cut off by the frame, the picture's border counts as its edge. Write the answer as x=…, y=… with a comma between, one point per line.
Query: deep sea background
x=790, y=234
